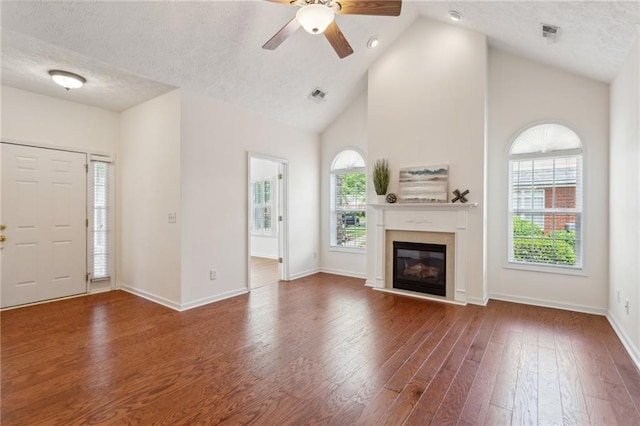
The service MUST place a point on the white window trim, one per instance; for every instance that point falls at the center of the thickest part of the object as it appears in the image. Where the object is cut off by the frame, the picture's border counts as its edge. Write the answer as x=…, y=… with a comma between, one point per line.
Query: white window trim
x=97, y=158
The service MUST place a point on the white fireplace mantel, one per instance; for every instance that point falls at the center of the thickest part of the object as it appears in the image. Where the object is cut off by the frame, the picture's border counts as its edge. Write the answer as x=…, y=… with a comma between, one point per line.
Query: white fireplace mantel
x=425, y=217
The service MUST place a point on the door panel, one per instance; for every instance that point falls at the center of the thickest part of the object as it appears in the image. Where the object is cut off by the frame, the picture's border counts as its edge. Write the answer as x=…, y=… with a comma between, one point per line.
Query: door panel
x=44, y=208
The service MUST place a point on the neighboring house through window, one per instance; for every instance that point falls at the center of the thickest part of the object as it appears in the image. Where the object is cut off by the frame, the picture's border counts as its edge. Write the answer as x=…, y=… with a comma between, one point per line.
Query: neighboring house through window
x=348, y=216
x=545, y=197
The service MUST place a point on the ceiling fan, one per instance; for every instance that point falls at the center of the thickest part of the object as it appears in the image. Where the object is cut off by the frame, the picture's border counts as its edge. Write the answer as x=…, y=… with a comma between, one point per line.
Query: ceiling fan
x=317, y=17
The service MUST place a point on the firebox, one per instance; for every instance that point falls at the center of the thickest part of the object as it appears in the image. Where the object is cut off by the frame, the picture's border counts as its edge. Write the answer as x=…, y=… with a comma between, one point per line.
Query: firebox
x=420, y=267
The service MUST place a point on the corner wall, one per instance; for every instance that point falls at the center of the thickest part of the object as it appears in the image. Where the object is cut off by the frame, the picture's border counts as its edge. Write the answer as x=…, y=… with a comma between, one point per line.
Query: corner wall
x=426, y=104
x=624, y=228
x=523, y=93
x=216, y=140
x=147, y=190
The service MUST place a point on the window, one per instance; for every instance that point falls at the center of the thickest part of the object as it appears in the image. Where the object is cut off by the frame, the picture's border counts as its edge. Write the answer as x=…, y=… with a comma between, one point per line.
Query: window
x=101, y=219
x=348, y=216
x=262, y=206
x=545, y=197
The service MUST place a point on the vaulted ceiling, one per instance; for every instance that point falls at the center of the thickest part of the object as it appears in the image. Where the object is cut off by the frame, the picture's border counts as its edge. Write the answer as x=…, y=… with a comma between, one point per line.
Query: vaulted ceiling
x=133, y=51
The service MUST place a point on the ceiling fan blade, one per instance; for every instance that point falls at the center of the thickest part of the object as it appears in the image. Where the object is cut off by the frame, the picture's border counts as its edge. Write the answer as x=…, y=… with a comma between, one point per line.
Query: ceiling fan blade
x=338, y=40
x=291, y=27
x=370, y=7
x=281, y=1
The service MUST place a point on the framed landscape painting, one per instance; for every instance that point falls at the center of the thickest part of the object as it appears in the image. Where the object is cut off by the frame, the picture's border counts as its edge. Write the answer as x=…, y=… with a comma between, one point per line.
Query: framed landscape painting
x=427, y=184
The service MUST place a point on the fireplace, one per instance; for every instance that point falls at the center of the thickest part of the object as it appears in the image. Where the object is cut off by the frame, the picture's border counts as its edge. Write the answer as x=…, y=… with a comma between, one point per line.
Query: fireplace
x=420, y=267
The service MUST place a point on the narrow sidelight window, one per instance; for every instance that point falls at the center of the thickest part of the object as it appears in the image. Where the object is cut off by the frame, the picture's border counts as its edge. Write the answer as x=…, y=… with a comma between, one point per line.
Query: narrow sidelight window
x=100, y=223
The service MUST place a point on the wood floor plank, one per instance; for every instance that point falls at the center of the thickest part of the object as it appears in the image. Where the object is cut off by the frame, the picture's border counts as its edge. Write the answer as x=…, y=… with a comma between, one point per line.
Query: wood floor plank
x=320, y=350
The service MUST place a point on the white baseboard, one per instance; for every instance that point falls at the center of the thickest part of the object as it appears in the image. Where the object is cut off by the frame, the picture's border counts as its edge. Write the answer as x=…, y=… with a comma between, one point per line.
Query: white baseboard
x=549, y=304
x=303, y=274
x=343, y=273
x=478, y=301
x=370, y=283
x=211, y=299
x=149, y=296
x=633, y=352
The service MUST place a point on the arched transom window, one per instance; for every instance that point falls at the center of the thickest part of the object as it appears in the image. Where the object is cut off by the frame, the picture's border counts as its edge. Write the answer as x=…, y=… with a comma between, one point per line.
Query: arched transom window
x=545, y=197
x=348, y=215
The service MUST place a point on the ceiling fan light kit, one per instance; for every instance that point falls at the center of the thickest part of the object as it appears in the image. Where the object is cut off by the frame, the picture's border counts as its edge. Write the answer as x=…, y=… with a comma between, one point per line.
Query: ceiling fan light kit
x=317, y=17
x=67, y=79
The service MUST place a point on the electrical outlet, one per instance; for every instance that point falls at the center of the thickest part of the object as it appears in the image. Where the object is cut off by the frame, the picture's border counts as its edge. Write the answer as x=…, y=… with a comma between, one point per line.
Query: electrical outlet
x=212, y=274
x=626, y=306
x=315, y=255
x=172, y=218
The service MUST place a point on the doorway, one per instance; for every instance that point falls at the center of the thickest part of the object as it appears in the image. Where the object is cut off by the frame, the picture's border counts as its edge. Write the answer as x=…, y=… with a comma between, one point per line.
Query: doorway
x=267, y=224
x=43, y=219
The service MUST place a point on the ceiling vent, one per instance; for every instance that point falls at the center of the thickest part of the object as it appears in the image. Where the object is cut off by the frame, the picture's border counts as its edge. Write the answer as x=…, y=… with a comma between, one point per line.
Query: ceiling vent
x=317, y=95
x=550, y=32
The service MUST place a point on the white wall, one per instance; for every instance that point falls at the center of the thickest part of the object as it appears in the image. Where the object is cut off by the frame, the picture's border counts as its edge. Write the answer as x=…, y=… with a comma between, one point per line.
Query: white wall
x=522, y=93
x=148, y=189
x=426, y=104
x=261, y=245
x=42, y=120
x=216, y=139
x=624, y=228
x=349, y=130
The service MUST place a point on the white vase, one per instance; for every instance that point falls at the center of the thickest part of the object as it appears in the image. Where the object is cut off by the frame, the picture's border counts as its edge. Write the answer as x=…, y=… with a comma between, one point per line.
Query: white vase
x=381, y=199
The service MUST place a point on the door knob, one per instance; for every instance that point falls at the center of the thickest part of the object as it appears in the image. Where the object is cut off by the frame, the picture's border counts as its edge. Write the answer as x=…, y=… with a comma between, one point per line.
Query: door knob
x=2, y=238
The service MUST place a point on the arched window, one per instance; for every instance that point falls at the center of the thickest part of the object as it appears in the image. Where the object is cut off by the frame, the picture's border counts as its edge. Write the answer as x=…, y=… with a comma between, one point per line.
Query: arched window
x=348, y=216
x=545, y=197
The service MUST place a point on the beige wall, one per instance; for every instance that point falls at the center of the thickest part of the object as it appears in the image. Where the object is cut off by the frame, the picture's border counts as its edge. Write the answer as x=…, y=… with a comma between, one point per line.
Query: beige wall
x=426, y=105
x=624, y=210
x=42, y=120
x=216, y=140
x=523, y=93
x=148, y=189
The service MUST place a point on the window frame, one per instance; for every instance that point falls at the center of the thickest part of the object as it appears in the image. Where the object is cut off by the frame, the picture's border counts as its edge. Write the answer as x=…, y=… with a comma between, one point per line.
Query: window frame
x=333, y=209
x=510, y=263
x=109, y=218
x=273, y=231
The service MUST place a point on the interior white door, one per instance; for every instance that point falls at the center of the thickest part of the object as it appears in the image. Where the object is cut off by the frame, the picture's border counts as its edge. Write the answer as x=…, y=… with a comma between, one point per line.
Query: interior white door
x=44, y=209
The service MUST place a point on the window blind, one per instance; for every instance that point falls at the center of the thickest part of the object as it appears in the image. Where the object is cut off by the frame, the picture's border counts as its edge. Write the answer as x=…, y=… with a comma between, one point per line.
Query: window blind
x=100, y=222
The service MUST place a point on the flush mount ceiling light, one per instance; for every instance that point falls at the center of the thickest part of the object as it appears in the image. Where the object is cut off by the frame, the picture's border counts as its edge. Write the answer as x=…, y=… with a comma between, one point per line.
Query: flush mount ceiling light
x=315, y=18
x=373, y=42
x=66, y=79
x=455, y=16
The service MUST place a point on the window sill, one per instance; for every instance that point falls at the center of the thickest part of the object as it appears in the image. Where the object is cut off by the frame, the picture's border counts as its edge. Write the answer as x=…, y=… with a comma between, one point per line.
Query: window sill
x=352, y=250
x=547, y=269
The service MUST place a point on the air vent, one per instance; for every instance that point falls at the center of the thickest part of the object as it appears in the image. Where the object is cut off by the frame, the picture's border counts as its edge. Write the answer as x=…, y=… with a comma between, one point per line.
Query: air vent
x=317, y=95
x=550, y=32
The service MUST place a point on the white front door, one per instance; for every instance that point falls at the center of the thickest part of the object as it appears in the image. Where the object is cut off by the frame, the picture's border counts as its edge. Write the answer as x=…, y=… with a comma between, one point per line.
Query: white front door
x=44, y=209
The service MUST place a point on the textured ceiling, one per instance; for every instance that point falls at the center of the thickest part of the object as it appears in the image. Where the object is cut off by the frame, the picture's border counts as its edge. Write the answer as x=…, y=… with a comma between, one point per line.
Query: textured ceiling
x=133, y=51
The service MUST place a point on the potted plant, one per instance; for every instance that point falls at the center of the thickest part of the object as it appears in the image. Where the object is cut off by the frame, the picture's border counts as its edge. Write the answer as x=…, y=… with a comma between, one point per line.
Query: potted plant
x=381, y=178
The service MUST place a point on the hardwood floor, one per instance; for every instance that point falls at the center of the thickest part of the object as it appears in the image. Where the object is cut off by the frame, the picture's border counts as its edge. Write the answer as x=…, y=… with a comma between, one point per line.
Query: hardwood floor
x=319, y=350
x=263, y=272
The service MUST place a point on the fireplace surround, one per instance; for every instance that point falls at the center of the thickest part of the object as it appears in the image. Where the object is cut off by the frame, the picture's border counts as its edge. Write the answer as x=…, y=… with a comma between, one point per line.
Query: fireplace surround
x=429, y=223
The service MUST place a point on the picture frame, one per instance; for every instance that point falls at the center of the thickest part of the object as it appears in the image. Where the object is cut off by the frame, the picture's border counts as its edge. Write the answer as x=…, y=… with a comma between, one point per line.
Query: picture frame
x=424, y=184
